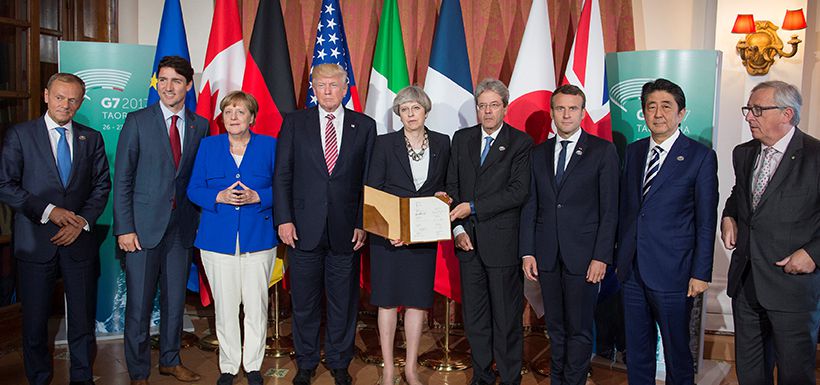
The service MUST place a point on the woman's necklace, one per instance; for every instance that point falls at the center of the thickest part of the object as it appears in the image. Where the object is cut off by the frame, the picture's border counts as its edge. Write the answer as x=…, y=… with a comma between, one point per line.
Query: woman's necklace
x=416, y=156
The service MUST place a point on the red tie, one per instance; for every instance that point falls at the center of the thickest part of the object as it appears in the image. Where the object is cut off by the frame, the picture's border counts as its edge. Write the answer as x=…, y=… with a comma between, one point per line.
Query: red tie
x=331, y=148
x=176, y=146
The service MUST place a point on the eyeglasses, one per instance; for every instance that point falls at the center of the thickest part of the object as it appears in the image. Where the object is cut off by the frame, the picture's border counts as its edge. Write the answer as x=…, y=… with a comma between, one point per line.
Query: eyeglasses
x=494, y=106
x=758, y=110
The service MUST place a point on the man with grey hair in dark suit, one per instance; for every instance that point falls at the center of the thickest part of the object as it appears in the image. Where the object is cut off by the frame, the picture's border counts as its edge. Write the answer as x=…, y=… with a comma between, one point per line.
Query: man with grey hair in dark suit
x=772, y=222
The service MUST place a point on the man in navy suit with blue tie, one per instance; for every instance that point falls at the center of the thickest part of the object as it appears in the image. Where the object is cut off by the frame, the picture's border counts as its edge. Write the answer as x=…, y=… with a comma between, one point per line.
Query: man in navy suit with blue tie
x=54, y=174
x=666, y=235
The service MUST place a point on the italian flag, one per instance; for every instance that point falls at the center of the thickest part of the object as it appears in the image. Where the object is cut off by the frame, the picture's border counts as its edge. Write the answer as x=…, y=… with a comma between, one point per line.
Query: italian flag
x=389, y=74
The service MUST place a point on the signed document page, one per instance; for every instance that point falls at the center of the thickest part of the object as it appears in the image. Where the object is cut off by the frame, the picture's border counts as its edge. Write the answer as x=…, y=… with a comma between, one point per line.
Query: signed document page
x=429, y=220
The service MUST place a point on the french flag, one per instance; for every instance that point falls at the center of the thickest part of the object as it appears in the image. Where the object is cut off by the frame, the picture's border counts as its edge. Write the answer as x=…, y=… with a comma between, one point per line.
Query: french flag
x=449, y=85
x=533, y=77
x=586, y=70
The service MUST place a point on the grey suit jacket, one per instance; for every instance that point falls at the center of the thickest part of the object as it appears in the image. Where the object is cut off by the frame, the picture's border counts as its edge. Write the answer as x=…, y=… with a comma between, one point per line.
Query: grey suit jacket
x=146, y=185
x=786, y=219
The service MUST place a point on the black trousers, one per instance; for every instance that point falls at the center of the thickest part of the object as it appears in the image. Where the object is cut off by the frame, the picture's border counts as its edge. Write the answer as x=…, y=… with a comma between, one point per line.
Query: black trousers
x=492, y=299
x=765, y=338
x=314, y=273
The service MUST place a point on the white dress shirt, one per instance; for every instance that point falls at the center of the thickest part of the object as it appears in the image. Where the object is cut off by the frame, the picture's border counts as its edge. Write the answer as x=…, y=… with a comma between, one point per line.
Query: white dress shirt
x=666, y=146
x=419, y=168
x=54, y=138
x=338, y=124
x=167, y=114
x=780, y=150
x=573, y=141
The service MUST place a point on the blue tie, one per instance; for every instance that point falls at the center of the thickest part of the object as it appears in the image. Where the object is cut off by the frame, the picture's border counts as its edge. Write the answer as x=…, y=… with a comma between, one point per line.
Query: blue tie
x=63, y=157
x=652, y=170
x=487, y=145
x=562, y=162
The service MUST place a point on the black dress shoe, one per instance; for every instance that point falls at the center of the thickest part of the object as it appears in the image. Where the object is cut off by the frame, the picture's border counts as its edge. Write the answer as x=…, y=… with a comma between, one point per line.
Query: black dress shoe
x=254, y=378
x=225, y=379
x=303, y=376
x=341, y=376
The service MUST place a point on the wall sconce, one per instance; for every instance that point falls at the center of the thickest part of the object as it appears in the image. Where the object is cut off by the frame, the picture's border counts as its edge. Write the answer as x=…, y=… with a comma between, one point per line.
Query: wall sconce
x=762, y=46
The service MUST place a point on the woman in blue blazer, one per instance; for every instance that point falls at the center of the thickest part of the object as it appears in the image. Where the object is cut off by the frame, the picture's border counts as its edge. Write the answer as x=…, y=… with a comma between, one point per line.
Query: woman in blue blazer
x=231, y=182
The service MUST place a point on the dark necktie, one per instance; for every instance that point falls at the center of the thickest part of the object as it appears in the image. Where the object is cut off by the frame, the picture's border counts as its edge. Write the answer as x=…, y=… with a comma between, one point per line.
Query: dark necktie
x=63, y=157
x=176, y=145
x=562, y=162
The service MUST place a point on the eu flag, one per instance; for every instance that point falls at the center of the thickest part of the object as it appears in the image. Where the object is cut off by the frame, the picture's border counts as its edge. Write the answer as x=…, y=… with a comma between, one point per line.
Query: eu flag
x=171, y=42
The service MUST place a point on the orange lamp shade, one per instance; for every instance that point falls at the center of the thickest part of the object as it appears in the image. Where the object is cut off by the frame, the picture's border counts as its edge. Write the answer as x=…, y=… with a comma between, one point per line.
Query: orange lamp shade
x=744, y=24
x=794, y=20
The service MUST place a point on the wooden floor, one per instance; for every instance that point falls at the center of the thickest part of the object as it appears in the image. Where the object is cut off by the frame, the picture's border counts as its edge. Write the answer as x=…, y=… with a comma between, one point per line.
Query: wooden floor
x=110, y=367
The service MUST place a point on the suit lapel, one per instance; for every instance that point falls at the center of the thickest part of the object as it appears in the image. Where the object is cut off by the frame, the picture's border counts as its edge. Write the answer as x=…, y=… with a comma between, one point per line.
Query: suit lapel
x=314, y=140
x=790, y=157
x=676, y=157
x=497, y=148
x=349, y=133
x=190, y=134
x=44, y=146
x=748, y=168
x=639, y=164
x=434, y=151
x=78, y=144
x=474, y=146
x=400, y=152
x=550, y=155
x=575, y=157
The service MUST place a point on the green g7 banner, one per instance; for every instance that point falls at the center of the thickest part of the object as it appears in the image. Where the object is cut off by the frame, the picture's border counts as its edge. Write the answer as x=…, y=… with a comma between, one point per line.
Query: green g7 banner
x=698, y=74
x=116, y=77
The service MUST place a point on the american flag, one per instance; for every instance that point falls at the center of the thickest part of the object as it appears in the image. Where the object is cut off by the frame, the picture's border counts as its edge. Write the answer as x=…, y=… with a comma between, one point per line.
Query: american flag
x=331, y=47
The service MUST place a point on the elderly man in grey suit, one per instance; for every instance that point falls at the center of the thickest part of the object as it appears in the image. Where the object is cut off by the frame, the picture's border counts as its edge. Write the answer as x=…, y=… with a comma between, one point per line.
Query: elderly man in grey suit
x=154, y=221
x=772, y=222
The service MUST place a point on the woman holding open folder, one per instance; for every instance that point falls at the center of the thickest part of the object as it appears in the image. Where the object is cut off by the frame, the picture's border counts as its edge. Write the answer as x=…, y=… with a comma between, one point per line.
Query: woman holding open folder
x=411, y=162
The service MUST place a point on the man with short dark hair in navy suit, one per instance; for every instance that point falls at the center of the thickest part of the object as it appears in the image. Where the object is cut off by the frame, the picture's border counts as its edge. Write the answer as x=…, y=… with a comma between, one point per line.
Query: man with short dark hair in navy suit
x=54, y=174
x=568, y=231
x=322, y=155
x=666, y=235
x=154, y=221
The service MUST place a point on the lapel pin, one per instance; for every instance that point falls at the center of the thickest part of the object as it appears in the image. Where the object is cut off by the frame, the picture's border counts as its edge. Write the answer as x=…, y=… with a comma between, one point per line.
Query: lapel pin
x=352, y=125
x=579, y=152
x=82, y=137
x=502, y=148
x=680, y=158
x=793, y=157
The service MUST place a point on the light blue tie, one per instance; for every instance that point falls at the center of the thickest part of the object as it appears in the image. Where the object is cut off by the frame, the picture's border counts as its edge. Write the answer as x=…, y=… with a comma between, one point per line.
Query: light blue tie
x=487, y=145
x=63, y=157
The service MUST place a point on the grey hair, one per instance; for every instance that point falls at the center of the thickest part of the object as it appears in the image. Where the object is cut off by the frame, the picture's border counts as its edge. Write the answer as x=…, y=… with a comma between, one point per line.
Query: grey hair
x=411, y=94
x=785, y=95
x=494, y=85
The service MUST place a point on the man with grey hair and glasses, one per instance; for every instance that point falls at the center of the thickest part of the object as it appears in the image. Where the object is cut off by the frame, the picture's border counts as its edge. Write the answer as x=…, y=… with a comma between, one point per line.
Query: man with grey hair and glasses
x=772, y=222
x=488, y=180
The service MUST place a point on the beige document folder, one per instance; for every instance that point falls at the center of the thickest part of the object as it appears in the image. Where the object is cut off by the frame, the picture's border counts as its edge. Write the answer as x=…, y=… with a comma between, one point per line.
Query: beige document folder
x=413, y=220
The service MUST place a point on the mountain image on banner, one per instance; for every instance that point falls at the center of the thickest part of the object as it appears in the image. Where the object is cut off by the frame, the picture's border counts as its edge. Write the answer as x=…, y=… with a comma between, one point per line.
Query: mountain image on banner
x=586, y=69
x=533, y=77
x=331, y=47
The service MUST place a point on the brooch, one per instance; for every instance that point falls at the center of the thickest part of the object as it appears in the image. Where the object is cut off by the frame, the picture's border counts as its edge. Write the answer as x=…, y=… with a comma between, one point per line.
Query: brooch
x=680, y=158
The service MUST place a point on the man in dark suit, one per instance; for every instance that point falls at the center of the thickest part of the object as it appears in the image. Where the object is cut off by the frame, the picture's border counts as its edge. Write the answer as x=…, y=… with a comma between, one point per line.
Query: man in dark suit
x=666, y=235
x=772, y=222
x=322, y=155
x=568, y=231
x=54, y=174
x=488, y=180
x=154, y=221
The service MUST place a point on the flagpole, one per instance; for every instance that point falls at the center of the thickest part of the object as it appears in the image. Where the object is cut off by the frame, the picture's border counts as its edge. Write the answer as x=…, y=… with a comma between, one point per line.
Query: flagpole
x=444, y=359
x=278, y=345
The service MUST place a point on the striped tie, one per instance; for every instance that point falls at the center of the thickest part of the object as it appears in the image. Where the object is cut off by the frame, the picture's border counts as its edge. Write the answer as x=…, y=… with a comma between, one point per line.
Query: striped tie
x=331, y=148
x=652, y=169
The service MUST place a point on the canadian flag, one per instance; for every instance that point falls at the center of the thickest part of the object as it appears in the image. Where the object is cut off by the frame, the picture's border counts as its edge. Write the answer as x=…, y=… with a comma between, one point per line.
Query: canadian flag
x=533, y=77
x=224, y=63
x=586, y=70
